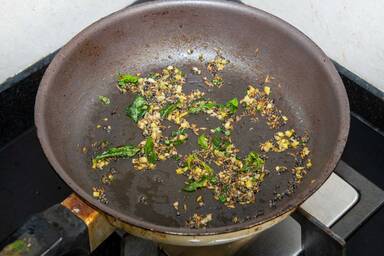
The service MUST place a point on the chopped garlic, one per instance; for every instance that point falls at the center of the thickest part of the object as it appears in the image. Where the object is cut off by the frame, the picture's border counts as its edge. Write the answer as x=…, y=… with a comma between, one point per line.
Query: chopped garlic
x=267, y=90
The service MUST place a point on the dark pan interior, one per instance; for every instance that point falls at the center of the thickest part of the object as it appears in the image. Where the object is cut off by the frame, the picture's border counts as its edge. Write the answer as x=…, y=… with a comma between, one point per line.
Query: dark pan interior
x=151, y=36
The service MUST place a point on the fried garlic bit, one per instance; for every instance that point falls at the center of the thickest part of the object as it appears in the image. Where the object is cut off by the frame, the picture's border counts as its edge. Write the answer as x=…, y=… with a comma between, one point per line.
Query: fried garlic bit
x=299, y=173
x=100, y=164
x=229, y=124
x=176, y=205
x=108, y=177
x=201, y=57
x=304, y=152
x=258, y=102
x=268, y=79
x=238, y=187
x=303, y=162
x=181, y=170
x=199, y=221
x=281, y=142
x=142, y=163
x=309, y=163
x=266, y=146
x=196, y=71
x=214, y=67
x=200, y=201
x=267, y=90
x=99, y=194
x=289, y=140
x=195, y=129
x=217, y=64
x=280, y=168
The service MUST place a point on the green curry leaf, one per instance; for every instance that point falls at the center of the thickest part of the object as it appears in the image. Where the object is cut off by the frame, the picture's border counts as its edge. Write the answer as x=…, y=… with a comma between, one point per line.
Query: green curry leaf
x=222, y=198
x=137, y=109
x=201, y=105
x=178, y=132
x=219, y=141
x=203, y=141
x=168, y=109
x=149, y=150
x=178, y=142
x=232, y=105
x=127, y=79
x=253, y=162
x=216, y=141
x=190, y=159
x=218, y=129
x=194, y=185
x=118, y=152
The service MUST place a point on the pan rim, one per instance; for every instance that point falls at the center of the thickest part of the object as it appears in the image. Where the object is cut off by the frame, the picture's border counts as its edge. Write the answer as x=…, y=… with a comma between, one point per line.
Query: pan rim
x=339, y=90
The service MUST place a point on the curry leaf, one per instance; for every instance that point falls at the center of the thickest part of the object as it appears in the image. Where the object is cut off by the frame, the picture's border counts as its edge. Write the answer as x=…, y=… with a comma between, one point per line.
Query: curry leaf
x=118, y=152
x=222, y=198
x=253, y=162
x=216, y=141
x=218, y=129
x=220, y=144
x=193, y=161
x=201, y=105
x=168, y=109
x=232, y=105
x=178, y=142
x=190, y=159
x=149, y=150
x=178, y=132
x=175, y=140
x=137, y=109
x=194, y=185
x=203, y=141
x=127, y=79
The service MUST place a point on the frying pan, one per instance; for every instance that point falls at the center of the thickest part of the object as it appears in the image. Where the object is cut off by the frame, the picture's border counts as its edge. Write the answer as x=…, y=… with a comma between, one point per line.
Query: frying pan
x=150, y=36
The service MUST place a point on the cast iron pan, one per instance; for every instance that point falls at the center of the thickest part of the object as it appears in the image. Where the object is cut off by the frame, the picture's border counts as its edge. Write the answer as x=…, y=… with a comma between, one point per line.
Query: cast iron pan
x=150, y=36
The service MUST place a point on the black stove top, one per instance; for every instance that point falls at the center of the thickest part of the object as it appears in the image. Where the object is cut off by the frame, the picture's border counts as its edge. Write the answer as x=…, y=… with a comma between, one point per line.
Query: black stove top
x=28, y=183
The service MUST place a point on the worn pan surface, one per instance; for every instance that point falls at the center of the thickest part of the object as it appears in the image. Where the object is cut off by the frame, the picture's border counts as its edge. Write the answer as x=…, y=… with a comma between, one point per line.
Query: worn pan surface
x=150, y=36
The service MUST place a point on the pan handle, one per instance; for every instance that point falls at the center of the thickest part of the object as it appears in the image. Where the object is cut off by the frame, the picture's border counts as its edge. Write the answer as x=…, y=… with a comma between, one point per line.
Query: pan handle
x=71, y=227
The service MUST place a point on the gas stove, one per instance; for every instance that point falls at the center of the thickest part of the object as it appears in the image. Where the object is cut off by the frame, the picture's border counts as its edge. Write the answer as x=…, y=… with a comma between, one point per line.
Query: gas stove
x=323, y=225
x=343, y=215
